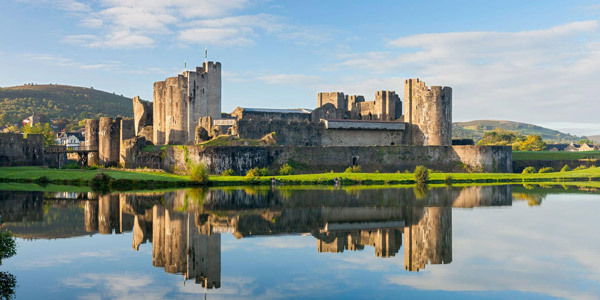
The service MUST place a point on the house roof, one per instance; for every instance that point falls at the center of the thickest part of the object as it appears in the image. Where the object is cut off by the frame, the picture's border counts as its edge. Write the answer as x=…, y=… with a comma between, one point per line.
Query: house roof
x=560, y=147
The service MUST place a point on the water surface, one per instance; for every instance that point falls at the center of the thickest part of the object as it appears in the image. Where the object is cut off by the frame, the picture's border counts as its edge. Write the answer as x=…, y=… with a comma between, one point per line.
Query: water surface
x=297, y=243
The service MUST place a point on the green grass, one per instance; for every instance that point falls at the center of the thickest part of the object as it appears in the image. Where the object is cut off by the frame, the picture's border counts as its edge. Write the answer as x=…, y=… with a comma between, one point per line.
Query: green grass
x=555, y=155
x=225, y=140
x=33, y=173
x=408, y=178
x=82, y=177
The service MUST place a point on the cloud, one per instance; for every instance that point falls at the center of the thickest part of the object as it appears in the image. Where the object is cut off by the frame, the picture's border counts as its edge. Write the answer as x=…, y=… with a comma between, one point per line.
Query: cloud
x=117, y=286
x=290, y=79
x=535, y=76
x=70, y=63
x=140, y=24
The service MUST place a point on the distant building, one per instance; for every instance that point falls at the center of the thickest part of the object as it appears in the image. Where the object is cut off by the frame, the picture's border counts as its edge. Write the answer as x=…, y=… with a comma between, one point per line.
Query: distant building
x=556, y=147
x=70, y=138
x=587, y=147
x=32, y=120
x=571, y=147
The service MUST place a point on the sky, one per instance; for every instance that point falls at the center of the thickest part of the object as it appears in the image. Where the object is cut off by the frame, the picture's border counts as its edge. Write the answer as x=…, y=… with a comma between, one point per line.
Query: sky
x=535, y=61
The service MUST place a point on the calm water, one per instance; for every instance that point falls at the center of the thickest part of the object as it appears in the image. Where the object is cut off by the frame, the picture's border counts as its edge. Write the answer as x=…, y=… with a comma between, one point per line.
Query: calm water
x=475, y=242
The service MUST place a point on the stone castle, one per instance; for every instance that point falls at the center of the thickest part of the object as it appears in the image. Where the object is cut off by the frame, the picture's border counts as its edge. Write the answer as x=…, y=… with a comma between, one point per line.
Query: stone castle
x=186, y=110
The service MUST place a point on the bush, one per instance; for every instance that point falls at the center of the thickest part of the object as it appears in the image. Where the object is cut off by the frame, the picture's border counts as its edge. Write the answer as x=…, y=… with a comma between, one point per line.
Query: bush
x=254, y=172
x=198, y=173
x=228, y=172
x=8, y=245
x=263, y=172
x=286, y=170
x=42, y=180
x=580, y=168
x=528, y=170
x=421, y=174
x=546, y=170
x=565, y=168
x=448, y=180
x=100, y=182
x=353, y=169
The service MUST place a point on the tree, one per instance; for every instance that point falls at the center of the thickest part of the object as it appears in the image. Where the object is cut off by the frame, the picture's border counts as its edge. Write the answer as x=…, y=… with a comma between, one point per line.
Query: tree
x=45, y=129
x=498, y=137
x=531, y=143
x=586, y=141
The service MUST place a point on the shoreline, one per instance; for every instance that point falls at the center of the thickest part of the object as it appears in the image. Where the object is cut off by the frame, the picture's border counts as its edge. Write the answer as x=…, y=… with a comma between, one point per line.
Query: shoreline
x=143, y=180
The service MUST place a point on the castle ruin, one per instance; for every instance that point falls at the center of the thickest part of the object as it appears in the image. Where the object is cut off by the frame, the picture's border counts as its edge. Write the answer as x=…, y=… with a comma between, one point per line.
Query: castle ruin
x=187, y=111
x=179, y=102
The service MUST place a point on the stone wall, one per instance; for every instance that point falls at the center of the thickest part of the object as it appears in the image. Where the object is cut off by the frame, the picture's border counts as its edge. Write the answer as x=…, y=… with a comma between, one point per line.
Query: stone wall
x=286, y=132
x=142, y=114
x=18, y=150
x=322, y=159
x=134, y=156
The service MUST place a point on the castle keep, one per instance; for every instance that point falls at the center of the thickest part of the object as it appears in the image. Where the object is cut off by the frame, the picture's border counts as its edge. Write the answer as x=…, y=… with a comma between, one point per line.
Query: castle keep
x=386, y=134
x=179, y=102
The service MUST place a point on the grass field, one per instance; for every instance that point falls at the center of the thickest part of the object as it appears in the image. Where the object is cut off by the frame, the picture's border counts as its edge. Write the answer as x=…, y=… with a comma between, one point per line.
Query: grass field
x=555, y=155
x=33, y=173
x=82, y=177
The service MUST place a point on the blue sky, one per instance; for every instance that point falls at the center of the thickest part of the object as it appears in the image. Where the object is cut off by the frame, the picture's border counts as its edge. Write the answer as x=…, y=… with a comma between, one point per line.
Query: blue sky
x=529, y=61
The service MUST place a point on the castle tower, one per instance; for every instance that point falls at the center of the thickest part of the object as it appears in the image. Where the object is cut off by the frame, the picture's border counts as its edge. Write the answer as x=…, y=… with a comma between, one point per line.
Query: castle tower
x=109, y=141
x=180, y=101
x=429, y=241
x=91, y=140
x=428, y=112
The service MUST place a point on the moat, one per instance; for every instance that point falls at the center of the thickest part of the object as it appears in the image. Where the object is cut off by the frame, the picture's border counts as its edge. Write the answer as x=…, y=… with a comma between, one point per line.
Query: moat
x=348, y=242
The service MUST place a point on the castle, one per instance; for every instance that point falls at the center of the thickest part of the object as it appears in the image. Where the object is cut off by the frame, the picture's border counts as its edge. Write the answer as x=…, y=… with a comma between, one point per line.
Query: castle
x=186, y=110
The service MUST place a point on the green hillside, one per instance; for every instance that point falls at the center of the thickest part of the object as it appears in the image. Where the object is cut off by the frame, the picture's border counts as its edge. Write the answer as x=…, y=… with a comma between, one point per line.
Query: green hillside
x=475, y=130
x=60, y=101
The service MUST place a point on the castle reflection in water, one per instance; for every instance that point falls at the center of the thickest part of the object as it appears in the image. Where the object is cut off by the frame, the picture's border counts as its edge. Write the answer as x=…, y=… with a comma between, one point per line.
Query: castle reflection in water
x=185, y=226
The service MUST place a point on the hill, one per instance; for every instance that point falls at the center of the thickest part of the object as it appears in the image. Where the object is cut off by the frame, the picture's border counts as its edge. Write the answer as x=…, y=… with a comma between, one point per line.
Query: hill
x=475, y=129
x=595, y=138
x=60, y=101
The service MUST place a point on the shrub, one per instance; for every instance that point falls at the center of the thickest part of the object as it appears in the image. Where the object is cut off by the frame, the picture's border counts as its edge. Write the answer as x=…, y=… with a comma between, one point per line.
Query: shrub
x=263, y=172
x=421, y=174
x=42, y=180
x=100, y=182
x=565, y=168
x=8, y=245
x=254, y=172
x=286, y=170
x=198, y=173
x=580, y=168
x=528, y=170
x=546, y=170
x=353, y=169
x=228, y=172
x=448, y=180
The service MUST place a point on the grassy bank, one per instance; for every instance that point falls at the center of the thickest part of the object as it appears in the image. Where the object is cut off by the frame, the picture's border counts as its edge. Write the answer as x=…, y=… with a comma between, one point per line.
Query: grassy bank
x=149, y=180
x=555, y=155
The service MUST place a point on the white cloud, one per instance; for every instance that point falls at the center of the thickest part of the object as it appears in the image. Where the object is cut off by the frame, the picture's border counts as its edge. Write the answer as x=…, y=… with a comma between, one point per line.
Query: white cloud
x=70, y=63
x=290, y=79
x=139, y=24
x=117, y=286
x=534, y=76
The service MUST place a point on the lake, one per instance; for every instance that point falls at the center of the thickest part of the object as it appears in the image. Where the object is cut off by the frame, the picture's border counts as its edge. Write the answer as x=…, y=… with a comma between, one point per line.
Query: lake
x=351, y=242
